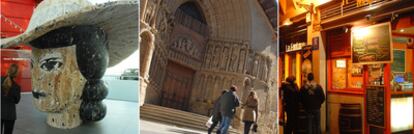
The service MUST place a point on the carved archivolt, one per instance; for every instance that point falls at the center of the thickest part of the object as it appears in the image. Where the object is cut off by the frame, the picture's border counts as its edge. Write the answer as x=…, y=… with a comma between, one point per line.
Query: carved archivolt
x=187, y=46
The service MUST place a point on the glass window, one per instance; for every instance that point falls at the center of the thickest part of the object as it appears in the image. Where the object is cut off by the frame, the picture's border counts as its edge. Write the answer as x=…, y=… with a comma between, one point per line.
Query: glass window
x=402, y=66
x=345, y=74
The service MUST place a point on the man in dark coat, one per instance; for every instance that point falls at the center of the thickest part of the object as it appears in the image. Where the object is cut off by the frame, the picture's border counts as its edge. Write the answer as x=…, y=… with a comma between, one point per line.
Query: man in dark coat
x=216, y=113
x=290, y=93
x=10, y=96
x=312, y=97
x=228, y=104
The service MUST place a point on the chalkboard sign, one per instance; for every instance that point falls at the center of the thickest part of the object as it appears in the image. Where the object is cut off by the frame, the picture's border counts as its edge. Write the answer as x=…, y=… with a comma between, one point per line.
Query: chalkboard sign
x=375, y=101
x=372, y=44
x=399, y=61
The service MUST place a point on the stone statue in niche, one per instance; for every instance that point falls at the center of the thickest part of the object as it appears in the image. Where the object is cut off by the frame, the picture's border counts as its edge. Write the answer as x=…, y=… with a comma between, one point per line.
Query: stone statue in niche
x=265, y=69
x=148, y=13
x=217, y=57
x=164, y=24
x=256, y=64
x=241, y=61
x=70, y=55
x=249, y=64
x=224, y=58
x=208, y=57
x=234, y=57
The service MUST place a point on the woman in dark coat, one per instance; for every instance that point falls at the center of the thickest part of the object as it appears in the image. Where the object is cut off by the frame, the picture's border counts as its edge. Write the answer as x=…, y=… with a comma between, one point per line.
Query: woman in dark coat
x=290, y=92
x=10, y=96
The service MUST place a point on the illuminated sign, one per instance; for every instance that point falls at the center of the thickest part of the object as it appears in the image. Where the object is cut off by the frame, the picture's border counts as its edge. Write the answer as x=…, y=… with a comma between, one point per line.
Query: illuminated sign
x=295, y=46
x=401, y=114
x=372, y=44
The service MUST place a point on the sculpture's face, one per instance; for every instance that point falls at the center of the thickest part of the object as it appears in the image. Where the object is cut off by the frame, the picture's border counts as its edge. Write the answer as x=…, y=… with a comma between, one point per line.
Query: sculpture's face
x=56, y=80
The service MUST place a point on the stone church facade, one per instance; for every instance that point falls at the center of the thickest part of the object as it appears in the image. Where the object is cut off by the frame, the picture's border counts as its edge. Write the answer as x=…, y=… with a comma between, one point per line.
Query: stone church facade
x=191, y=50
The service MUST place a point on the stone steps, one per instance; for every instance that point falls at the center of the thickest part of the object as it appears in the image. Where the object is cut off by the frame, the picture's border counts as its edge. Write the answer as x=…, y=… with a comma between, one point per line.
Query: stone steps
x=175, y=111
x=175, y=117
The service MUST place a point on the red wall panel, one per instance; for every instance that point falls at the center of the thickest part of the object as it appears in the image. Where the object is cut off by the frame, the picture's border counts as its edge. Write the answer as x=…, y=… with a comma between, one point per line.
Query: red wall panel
x=17, y=11
x=22, y=59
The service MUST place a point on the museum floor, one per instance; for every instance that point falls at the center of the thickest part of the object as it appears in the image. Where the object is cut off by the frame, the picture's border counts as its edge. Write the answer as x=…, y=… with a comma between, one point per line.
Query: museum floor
x=121, y=118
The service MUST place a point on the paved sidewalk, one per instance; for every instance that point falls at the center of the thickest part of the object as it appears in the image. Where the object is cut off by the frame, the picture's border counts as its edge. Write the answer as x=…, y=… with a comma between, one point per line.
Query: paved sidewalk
x=153, y=127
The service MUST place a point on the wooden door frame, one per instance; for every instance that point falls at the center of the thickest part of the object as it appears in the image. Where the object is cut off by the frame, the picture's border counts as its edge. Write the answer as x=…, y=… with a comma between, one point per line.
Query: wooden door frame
x=186, y=106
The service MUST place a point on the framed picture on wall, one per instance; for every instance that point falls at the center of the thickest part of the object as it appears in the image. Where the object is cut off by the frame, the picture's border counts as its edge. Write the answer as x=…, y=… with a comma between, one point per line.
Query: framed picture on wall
x=372, y=44
x=341, y=63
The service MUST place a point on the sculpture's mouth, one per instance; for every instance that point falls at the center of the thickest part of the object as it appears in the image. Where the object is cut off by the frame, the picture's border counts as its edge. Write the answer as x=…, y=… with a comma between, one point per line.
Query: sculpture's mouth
x=37, y=94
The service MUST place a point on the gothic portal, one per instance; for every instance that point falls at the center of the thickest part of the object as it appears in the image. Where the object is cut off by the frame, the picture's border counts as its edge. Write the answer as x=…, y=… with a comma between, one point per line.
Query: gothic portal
x=191, y=50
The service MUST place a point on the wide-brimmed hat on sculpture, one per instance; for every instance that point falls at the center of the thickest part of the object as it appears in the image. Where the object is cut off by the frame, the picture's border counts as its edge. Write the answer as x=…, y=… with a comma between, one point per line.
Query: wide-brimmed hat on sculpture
x=119, y=20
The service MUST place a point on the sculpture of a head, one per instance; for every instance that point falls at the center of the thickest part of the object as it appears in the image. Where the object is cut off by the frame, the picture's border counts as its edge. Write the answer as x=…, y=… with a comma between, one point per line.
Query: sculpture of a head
x=74, y=41
x=67, y=64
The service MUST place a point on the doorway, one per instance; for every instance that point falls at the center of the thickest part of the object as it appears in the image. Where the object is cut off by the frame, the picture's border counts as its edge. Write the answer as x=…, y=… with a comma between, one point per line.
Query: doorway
x=177, y=86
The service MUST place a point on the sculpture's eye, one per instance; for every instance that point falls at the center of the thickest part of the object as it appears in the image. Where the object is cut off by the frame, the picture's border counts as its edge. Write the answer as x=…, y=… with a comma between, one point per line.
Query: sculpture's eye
x=51, y=64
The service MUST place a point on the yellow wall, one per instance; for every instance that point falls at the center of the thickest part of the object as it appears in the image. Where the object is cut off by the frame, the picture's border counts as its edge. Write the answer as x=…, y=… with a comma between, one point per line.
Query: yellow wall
x=287, y=59
x=298, y=69
x=288, y=9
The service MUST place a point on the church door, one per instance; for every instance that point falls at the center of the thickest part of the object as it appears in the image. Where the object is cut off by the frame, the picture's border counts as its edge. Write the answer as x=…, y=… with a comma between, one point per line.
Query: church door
x=177, y=86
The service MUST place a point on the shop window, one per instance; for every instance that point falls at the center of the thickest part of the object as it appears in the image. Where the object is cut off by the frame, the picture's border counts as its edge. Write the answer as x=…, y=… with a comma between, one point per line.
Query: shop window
x=346, y=75
x=343, y=74
x=401, y=68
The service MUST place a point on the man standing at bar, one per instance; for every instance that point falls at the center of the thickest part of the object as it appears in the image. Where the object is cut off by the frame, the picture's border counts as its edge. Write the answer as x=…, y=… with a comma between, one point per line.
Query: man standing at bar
x=312, y=97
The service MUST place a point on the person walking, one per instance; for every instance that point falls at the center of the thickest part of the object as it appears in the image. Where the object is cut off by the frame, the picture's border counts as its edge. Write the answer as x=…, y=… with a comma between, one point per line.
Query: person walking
x=216, y=113
x=228, y=104
x=312, y=97
x=251, y=111
x=10, y=96
x=290, y=100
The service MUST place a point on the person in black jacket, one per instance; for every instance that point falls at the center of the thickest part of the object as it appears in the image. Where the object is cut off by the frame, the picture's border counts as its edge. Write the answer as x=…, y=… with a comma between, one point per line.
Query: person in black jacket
x=312, y=97
x=290, y=93
x=229, y=101
x=10, y=96
x=216, y=113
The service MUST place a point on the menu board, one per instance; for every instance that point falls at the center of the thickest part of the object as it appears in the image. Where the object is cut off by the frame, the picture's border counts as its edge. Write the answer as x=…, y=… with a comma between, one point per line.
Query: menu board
x=375, y=101
x=372, y=44
x=399, y=61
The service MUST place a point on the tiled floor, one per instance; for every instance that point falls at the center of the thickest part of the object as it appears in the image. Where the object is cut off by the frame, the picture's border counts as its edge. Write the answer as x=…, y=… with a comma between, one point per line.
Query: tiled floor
x=121, y=118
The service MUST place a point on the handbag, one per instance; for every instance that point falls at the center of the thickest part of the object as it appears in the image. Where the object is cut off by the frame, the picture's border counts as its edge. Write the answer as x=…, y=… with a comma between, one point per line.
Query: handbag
x=254, y=129
x=209, y=122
